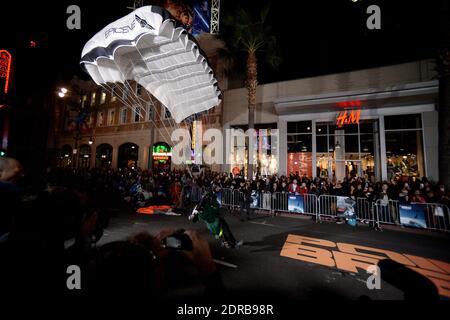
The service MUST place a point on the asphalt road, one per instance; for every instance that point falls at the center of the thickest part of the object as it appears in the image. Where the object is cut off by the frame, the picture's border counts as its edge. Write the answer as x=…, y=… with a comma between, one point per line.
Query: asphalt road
x=261, y=269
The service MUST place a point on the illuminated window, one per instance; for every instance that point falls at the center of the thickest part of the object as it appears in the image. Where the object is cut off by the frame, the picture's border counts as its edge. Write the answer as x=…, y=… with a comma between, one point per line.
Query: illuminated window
x=404, y=146
x=103, y=98
x=83, y=101
x=299, y=145
x=92, y=98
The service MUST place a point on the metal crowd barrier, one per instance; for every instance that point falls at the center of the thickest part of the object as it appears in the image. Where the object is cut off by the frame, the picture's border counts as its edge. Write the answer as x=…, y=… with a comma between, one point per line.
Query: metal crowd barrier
x=269, y=202
x=437, y=216
x=365, y=211
x=280, y=201
x=388, y=212
x=327, y=207
x=311, y=204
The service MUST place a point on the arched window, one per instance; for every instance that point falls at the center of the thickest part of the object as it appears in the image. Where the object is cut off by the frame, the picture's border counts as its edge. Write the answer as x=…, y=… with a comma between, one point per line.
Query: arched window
x=128, y=156
x=85, y=156
x=103, y=156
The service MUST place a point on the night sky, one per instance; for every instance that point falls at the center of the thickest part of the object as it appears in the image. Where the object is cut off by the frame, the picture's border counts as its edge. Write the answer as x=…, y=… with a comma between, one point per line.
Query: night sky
x=315, y=37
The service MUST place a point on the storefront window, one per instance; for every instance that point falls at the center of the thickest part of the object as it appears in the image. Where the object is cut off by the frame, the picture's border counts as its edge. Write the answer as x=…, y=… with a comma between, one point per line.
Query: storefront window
x=300, y=148
x=410, y=121
x=265, y=163
x=368, y=153
x=404, y=146
x=348, y=151
x=299, y=127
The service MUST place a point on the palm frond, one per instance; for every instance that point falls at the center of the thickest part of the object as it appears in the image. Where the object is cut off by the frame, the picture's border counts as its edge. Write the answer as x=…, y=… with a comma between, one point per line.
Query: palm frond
x=244, y=32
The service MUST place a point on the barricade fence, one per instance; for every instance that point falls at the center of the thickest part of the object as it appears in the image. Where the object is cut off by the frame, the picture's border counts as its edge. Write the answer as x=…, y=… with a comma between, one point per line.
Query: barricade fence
x=425, y=216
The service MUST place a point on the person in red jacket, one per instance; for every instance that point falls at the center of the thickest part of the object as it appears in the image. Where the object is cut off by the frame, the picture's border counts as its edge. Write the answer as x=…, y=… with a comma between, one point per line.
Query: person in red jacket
x=294, y=187
x=303, y=189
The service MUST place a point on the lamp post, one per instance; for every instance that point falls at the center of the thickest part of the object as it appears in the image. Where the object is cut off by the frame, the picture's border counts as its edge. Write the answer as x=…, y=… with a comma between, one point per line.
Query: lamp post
x=78, y=123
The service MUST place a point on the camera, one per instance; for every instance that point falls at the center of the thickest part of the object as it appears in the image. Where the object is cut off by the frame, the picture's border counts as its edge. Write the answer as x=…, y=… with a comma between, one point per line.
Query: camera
x=177, y=241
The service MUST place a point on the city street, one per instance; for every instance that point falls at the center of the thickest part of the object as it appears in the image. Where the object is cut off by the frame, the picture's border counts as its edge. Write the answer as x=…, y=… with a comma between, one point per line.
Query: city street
x=260, y=266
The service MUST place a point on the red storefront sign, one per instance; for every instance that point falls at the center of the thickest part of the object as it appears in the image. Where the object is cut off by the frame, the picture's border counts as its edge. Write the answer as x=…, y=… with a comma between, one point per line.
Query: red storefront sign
x=348, y=117
x=5, y=68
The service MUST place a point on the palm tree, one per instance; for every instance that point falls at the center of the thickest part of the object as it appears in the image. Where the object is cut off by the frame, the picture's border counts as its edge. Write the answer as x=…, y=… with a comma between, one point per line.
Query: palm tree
x=248, y=38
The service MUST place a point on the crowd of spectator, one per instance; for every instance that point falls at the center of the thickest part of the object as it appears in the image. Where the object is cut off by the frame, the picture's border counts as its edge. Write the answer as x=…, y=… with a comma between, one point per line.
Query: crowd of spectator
x=143, y=187
x=43, y=232
x=403, y=189
x=46, y=232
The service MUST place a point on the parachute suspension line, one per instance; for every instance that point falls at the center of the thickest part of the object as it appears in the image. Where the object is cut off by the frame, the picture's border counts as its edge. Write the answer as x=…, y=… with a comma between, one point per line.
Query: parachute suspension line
x=187, y=122
x=127, y=103
x=170, y=120
x=132, y=96
x=165, y=121
x=121, y=98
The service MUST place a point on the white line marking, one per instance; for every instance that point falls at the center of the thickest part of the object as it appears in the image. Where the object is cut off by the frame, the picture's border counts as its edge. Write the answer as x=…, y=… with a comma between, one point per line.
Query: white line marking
x=264, y=224
x=226, y=264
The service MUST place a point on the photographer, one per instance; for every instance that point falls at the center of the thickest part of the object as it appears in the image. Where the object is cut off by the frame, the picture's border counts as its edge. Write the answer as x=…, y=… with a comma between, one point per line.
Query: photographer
x=155, y=266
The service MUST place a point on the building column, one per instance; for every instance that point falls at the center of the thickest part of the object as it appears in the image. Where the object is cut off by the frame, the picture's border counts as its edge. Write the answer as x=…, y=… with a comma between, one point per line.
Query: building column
x=383, y=158
x=282, y=146
x=143, y=156
x=115, y=156
x=314, y=151
x=377, y=151
x=93, y=155
x=431, y=144
x=339, y=155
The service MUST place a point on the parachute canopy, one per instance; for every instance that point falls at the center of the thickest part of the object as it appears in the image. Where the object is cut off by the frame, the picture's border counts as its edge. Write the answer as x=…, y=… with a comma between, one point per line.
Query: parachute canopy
x=147, y=47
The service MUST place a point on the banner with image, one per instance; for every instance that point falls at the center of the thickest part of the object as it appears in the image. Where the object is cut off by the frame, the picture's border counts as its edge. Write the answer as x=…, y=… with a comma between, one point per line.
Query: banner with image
x=296, y=203
x=255, y=199
x=413, y=215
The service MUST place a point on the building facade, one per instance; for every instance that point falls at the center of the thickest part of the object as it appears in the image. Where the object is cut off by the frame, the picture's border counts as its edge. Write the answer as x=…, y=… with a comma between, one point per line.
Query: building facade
x=374, y=123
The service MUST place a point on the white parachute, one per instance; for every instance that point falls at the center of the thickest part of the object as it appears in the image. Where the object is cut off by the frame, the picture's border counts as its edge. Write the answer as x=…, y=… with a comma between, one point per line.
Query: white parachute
x=147, y=47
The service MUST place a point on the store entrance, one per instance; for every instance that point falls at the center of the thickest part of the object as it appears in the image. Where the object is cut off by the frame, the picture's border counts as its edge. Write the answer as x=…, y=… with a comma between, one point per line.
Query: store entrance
x=349, y=151
x=161, y=157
